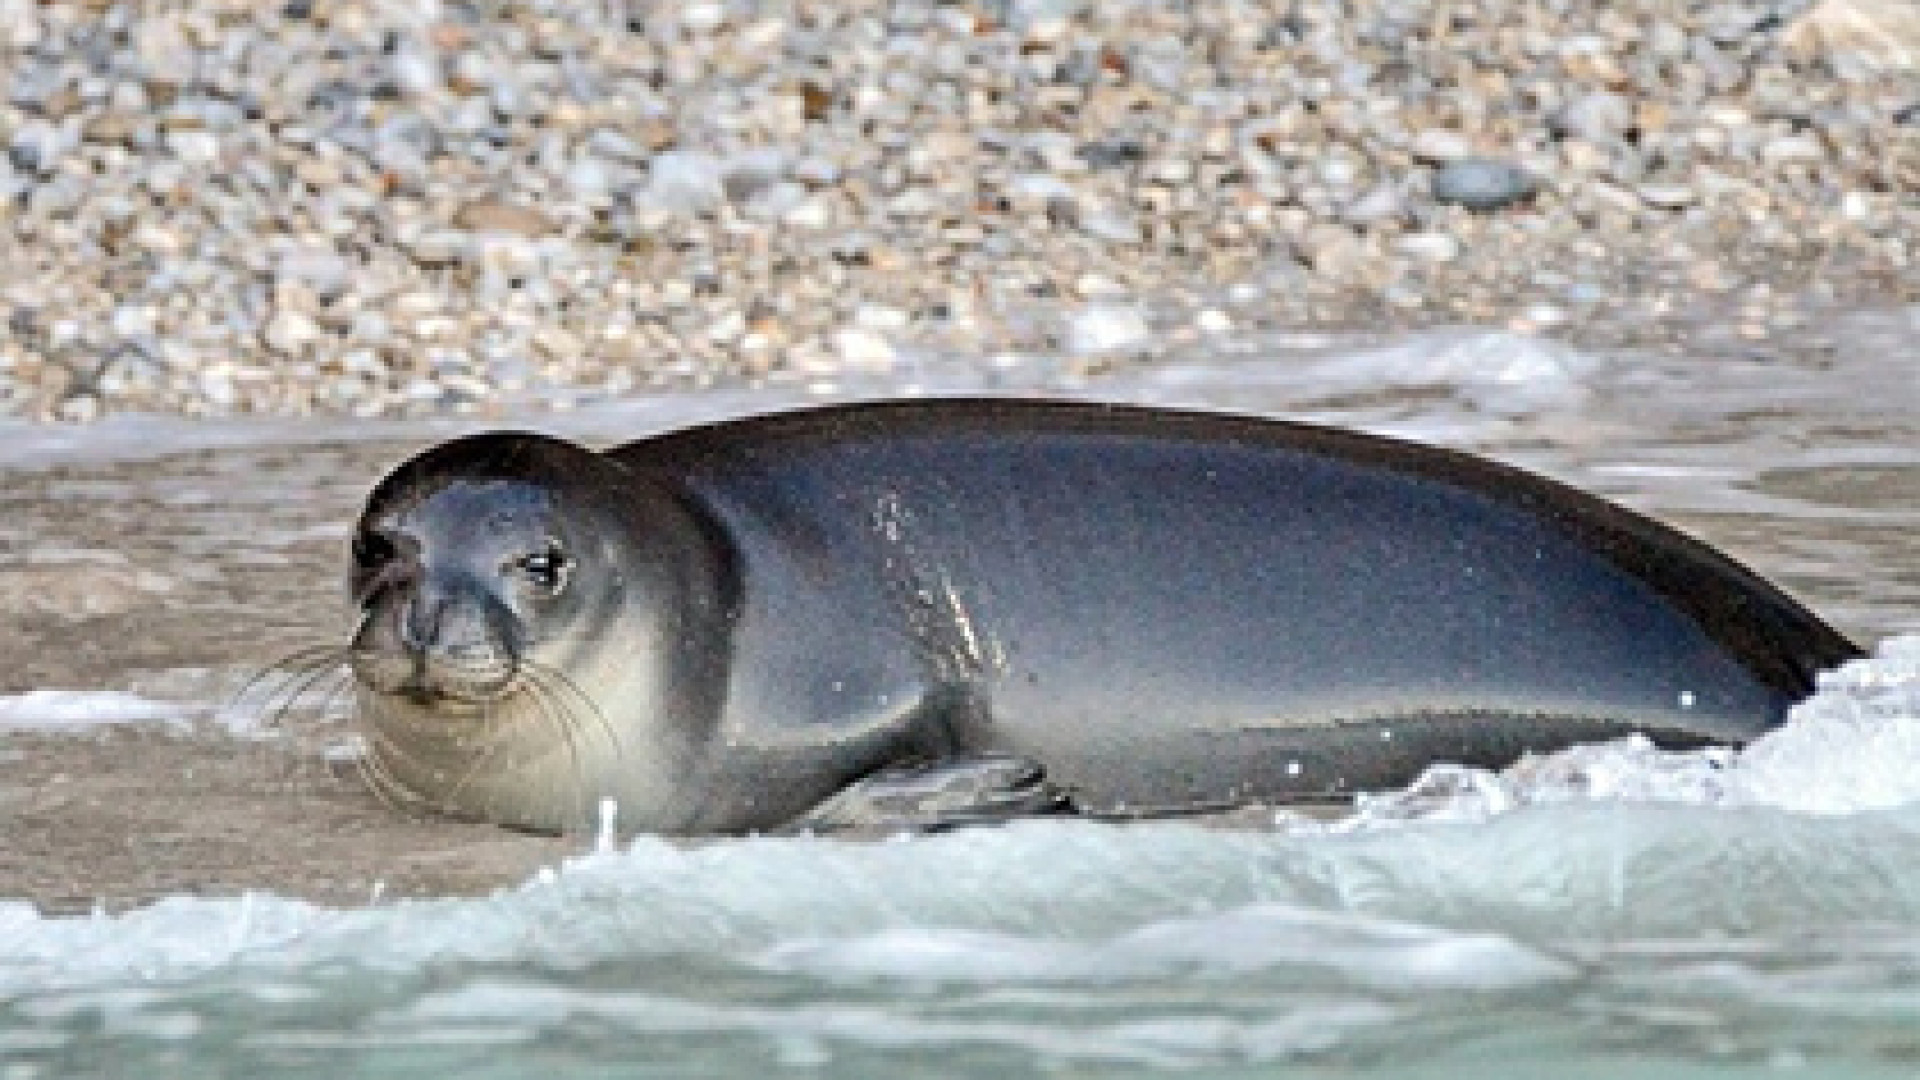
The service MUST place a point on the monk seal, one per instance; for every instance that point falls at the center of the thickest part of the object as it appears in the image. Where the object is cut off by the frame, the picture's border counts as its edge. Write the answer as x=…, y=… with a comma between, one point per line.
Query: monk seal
x=933, y=611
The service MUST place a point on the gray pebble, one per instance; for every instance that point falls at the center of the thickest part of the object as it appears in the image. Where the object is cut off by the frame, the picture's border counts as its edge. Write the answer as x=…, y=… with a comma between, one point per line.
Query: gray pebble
x=1441, y=146
x=1434, y=247
x=37, y=146
x=1382, y=204
x=1667, y=196
x=685, y=182
x=1106, y=328
x=1599, y=117
x=1733, y=24
x=440, y=246
x=1483, y=184
x=1114, y=226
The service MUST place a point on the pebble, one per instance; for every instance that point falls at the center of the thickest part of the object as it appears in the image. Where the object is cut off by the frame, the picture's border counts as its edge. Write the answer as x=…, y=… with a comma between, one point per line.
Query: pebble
x=703, y=18
x=1382, y=204
x=880, y=317
x=1599, y=117
x=196, y=147
x=810, y=214
x=502, y=217
x=1105, y=328
x=1544, y=315
x=1440, y=146
x=132, y=321
x=1667, y=196
x=685, y=182
x=1791, y=148
x=726, y=327
x=863, y=349
x=1434, y=247
x=1214, y=321
x=1111, y=225
x=1864, y=38
x=37, y=146
x=320, y=269
x=289, y=331
x=439, y=246
x=1482, y=184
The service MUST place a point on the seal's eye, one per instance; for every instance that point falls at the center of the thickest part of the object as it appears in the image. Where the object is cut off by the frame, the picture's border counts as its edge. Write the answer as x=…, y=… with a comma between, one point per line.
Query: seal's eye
x=547, y=569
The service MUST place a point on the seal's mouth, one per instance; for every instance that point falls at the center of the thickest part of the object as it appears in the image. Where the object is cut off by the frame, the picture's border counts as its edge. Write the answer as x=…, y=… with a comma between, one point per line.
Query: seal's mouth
x=434, y=682
x=435, y=697
x=436, y=641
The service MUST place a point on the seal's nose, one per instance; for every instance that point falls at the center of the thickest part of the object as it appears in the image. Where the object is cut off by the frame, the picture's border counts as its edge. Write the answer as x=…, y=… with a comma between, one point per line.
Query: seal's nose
x=448, y=617
x=421, y=618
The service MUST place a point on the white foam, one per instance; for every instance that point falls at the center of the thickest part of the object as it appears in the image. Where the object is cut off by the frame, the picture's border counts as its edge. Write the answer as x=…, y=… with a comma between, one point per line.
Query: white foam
x=81, y=710
x=1492, y=372
x=1853, y=747
x=1424, y=905
x=1477, y=375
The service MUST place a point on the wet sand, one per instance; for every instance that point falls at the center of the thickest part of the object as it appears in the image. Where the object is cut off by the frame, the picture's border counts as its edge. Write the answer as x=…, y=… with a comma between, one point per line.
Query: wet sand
x=134, y=814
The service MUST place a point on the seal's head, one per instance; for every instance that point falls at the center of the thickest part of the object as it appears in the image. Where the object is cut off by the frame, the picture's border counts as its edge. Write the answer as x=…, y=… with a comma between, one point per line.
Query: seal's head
x=463, y=559
x=510, y=587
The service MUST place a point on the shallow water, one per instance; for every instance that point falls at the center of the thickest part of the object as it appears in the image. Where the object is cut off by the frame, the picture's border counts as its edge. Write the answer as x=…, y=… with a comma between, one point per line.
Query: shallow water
x=1614, y=912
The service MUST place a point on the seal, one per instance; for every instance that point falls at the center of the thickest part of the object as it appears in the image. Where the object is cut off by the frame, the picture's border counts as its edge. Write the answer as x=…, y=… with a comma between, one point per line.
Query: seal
x=917, y=613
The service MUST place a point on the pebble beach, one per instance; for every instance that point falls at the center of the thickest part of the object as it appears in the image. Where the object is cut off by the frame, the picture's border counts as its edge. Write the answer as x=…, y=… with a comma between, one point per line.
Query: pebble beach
x=390, y=207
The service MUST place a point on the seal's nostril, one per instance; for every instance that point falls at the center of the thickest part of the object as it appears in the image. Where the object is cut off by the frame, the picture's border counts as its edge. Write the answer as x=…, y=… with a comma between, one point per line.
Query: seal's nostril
x=420, y=620
x=372, y=549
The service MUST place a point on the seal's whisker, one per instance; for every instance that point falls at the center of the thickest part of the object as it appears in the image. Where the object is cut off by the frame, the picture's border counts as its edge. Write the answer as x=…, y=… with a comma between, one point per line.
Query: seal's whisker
x=301, y=673
x=376, y=763
x=551, y=677
x=277, y=675
x=372, y=767
x=544, y=688
x=380, y=780
x=382, y=753
x=493, y=738
x=562, y=694
x=554, y=713
x=542, y=709
x=334, y=696
x=314, y=680
x=298, y=658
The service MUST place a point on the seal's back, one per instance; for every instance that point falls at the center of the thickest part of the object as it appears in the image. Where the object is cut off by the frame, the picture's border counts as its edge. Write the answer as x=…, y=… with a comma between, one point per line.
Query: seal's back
x=1177, y=606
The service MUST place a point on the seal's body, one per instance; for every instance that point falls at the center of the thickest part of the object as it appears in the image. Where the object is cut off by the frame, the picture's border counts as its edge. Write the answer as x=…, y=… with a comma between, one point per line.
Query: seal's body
x=915, y=609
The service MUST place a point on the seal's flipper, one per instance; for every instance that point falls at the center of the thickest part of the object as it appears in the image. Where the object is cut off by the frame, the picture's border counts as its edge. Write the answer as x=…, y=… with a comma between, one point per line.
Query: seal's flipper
x=936, y=795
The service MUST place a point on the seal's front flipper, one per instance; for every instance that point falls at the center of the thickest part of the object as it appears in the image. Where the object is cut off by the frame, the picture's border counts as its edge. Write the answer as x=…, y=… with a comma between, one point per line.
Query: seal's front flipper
x=936, y=795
